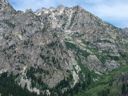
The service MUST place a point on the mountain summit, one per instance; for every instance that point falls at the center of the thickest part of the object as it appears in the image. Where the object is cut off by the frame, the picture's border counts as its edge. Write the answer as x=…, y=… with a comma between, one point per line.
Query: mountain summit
x=5, y=6
x=56, y=51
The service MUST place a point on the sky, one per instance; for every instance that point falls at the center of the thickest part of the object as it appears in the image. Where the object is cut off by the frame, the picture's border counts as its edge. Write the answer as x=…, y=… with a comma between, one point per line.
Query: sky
x=113, y=11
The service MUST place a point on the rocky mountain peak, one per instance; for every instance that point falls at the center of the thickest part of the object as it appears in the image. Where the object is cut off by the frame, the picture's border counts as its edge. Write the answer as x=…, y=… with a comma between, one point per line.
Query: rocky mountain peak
x=6, y=7
x=55, y=51
x=3, y=2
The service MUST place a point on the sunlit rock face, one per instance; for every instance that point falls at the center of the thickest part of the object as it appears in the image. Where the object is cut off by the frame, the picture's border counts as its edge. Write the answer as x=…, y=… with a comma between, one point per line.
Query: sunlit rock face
x=5, y=6
x=53, y=51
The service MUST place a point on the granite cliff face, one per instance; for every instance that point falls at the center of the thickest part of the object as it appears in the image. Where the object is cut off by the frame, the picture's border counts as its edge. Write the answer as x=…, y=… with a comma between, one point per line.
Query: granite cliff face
x=55, y=51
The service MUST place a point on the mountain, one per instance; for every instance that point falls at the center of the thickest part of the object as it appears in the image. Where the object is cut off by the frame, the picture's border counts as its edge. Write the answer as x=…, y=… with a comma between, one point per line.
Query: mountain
x=60, y=52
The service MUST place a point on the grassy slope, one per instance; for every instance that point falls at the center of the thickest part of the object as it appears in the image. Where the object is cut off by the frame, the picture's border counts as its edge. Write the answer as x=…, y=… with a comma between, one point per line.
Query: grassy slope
x=105, y=85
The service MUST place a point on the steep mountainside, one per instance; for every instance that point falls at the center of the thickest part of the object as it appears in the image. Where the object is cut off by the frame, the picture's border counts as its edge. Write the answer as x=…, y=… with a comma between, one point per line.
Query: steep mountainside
x=57, y=51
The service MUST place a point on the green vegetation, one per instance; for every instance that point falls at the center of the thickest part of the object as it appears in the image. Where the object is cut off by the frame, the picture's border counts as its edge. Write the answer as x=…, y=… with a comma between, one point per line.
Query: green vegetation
x=105, y=85
x=8, y=87
x=36, y=81
x=91, y=84
x=108, y=85
x=76, y=49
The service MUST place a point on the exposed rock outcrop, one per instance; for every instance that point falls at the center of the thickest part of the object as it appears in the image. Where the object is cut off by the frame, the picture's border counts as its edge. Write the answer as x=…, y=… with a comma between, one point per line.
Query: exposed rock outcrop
x=57, y=46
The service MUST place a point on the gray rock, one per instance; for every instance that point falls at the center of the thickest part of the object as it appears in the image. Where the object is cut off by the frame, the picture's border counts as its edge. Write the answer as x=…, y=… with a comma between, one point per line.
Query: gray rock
x=56, y=44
